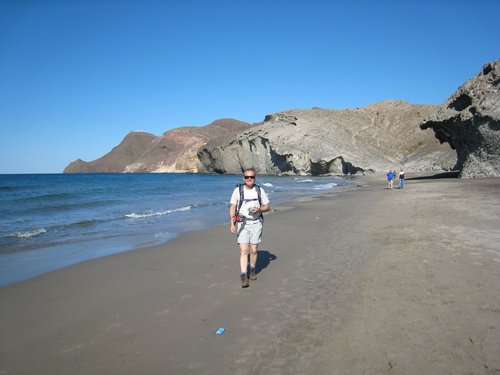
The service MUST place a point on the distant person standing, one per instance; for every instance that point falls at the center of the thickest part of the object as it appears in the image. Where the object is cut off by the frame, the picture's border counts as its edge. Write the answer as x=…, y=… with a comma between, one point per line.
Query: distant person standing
x=401, y=178
x=390, y=179
x=247, y=204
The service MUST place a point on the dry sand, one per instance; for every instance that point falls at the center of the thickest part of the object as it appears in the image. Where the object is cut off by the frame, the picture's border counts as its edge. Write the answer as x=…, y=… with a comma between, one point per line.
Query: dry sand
x=368, y=281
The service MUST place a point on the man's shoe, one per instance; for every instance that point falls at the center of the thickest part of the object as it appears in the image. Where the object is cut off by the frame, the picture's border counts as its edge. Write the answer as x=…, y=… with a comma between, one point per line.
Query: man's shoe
x=253, y=275
x=244, y=281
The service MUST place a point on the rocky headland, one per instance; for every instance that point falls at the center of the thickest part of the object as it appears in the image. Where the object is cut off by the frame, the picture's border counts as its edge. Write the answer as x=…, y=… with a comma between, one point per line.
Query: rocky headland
x=323, y=141
x=304, y=142
x=462, y=133
x=470, y=122
x=173, y=151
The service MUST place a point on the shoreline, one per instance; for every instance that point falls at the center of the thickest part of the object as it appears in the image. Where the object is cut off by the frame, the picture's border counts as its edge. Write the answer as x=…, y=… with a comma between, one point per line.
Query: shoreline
x=31, y=263
x=363, y=281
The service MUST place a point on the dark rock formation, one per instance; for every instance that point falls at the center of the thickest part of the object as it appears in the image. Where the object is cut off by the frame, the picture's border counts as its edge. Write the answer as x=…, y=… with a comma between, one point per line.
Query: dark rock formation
x=470, y=122
x=174, y=151
x=320, y=141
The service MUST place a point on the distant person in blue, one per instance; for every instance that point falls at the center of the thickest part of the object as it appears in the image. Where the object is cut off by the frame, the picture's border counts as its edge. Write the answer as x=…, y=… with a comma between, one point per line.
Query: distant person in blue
x=390, y=179
x=401, y=178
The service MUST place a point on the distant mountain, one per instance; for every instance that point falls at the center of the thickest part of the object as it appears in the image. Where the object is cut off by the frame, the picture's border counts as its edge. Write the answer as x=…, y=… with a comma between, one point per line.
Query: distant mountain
x=174, y=151
x=324, y=141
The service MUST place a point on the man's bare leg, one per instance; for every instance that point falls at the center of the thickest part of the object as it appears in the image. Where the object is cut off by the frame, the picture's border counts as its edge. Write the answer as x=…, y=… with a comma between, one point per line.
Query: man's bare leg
x=244, y=264
x=244, y=257
x=253, y=260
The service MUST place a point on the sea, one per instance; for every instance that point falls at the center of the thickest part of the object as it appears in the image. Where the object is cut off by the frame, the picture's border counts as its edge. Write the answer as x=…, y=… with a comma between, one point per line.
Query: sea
x=50, y=221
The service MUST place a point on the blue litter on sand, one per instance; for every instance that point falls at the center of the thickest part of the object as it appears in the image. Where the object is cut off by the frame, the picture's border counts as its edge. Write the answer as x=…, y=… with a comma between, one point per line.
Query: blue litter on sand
x=220, y=331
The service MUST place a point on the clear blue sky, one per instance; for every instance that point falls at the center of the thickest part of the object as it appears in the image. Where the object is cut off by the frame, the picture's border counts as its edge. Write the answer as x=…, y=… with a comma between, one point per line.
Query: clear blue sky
x=77, y=76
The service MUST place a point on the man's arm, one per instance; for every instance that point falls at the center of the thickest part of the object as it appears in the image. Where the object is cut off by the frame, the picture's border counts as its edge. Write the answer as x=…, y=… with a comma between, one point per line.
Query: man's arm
x=232, y=214
x=265, y=208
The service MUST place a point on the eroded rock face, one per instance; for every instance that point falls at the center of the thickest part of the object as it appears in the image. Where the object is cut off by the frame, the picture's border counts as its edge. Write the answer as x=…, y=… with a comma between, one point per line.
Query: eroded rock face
x=470, y=122
x=320, y=141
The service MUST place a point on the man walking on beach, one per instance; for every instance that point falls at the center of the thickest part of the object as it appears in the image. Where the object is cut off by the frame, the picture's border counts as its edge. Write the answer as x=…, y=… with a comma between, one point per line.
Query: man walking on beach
x=247, y=204
x=401, y=178
x=390, y=178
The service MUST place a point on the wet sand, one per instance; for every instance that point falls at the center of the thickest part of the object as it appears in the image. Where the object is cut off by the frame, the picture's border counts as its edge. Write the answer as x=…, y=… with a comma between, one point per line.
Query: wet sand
x=368, y=281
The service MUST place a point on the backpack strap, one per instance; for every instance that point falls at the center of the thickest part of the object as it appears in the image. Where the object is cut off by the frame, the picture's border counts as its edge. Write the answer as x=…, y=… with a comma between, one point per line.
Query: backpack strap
x=261, y=217
x=242, y=196
x=257, y=187
x=241, y=188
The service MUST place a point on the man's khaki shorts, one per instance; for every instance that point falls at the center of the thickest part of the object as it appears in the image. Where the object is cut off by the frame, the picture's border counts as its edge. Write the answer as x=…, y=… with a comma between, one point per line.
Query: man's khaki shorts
x=251, y=233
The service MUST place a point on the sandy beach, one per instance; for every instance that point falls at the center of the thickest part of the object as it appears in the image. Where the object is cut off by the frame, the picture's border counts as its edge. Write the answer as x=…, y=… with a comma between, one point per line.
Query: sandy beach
x=365, y=281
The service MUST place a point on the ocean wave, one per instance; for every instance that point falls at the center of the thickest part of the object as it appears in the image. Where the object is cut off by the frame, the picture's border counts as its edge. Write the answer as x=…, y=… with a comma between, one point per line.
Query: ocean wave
x=16, y=189
x=300, y=181
x=200, y=205
x=30, y=233
x=69, y=206
x=208, y=204
x=159, y=213
x=83, y=223
x=268, y=184
x=46, y=197
x=9, y=188
x=325, y=186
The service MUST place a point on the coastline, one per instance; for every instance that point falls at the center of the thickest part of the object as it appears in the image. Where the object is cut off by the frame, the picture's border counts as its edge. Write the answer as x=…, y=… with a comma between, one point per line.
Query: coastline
x=61, y=227
x=363, y=281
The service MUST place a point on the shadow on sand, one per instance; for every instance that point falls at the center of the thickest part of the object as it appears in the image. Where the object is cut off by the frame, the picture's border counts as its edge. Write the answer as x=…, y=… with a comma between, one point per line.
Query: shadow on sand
x=264, y=257
x=451, y=174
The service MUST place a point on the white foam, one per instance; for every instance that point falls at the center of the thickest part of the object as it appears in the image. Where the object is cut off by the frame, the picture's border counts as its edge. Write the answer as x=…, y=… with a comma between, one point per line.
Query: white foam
x=303, y=180
x=159, y=213
x=268, y=184
x=31, y=233
x=325, y=186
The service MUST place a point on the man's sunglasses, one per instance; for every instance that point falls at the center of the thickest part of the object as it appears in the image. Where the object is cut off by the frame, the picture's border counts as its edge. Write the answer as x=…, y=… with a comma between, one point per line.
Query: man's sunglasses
x=249, y=177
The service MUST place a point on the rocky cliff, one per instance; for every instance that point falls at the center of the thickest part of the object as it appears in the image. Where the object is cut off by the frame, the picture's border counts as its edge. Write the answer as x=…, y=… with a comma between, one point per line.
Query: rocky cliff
x=470, y=122
x=321, y=141
x=174, y=151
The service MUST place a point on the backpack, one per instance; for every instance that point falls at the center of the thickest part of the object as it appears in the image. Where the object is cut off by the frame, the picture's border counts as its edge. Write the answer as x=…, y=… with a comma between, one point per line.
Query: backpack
x=238, y=217
x=241, y=188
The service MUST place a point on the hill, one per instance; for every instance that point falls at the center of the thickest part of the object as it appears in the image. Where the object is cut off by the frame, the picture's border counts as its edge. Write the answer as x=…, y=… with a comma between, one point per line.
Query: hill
x=322, y=141
x=173, y=151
